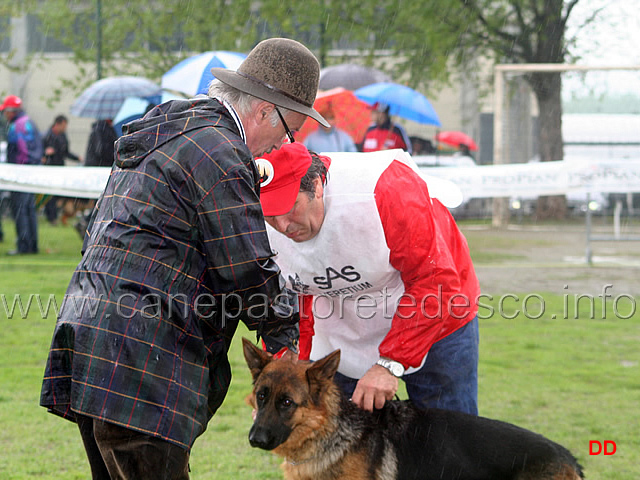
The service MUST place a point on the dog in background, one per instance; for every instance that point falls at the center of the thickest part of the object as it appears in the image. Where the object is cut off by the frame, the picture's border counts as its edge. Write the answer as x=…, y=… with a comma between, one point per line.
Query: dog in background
x=301, y=415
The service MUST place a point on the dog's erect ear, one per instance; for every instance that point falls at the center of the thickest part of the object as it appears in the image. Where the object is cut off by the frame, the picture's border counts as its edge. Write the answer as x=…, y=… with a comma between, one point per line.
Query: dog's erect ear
x=324, y=369
x=255, y=357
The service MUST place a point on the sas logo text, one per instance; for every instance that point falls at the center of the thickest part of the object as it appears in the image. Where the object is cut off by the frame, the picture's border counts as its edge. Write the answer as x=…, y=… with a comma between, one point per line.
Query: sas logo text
x=347, y=273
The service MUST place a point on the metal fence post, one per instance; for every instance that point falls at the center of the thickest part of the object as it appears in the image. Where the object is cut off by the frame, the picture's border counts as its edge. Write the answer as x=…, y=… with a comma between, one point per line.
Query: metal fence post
x=588, y=228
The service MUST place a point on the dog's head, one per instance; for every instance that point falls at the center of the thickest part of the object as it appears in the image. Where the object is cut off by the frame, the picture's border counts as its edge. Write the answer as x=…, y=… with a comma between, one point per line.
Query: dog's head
x=290, y=398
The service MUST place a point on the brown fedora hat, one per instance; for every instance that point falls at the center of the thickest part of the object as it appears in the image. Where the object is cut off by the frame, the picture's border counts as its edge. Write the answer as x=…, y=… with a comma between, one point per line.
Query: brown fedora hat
x=281, y=71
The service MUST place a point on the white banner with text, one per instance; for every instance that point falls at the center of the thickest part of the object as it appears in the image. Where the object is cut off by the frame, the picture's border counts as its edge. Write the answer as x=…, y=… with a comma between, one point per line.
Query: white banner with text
x=512, y=180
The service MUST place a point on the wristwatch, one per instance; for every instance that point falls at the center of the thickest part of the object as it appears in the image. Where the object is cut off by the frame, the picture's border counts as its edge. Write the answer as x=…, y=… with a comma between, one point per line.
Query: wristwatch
x=396, y=368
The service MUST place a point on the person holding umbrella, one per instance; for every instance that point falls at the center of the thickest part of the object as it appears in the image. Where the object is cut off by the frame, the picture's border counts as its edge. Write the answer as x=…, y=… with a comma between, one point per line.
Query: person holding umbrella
x=100, y=151
x=331, y=139
x=175, y=255
x=100, y=146
x=461, y=140
x=385, y=134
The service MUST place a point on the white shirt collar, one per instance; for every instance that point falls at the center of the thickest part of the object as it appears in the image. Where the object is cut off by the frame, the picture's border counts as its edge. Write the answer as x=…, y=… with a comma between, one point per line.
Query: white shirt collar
x=235, y=116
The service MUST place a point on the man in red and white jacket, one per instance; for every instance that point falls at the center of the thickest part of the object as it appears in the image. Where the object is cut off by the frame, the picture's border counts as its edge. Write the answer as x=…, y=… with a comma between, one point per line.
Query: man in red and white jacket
x=384, y=272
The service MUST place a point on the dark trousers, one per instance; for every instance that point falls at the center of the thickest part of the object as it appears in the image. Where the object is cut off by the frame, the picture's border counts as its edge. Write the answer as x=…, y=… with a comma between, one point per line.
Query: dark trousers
x=23, y=209
x=51, y=209
x=449, y=376
x=118, y=453
x=4, y=200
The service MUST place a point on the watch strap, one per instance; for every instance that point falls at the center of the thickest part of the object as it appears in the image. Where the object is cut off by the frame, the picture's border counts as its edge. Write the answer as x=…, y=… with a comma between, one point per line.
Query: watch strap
x=395, y=368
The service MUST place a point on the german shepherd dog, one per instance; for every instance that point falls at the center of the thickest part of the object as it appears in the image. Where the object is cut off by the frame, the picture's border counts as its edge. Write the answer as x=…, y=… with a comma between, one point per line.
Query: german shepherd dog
x=302, y=416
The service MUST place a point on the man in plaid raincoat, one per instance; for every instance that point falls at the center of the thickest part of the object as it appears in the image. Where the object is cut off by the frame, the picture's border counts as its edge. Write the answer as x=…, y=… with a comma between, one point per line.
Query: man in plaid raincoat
x=175, y=255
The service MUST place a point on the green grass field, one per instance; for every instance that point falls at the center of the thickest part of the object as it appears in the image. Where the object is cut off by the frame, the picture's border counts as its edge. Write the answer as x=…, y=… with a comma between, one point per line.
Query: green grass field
x=573, y=380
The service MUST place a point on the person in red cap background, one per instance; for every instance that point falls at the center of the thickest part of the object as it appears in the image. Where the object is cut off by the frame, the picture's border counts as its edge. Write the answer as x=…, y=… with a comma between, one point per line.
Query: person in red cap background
x=175, y=256
x=24, y=146
x=384, y=134
x=384, y=272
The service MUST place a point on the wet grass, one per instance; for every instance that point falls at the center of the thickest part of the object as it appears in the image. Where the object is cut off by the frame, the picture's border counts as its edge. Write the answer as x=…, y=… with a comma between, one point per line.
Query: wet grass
x=574, y=379
x=571, y=379
x=493, y=247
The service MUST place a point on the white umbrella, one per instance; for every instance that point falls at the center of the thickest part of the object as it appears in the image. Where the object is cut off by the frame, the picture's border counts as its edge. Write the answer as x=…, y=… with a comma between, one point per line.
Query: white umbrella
x=192, y=75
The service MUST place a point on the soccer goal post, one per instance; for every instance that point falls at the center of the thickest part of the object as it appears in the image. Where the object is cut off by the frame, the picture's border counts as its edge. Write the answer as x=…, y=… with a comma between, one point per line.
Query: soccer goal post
x=505, y=146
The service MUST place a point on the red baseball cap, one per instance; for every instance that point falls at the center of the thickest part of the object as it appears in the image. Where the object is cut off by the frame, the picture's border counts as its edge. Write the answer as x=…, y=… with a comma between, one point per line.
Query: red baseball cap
x=11, y=101
x=281, y=172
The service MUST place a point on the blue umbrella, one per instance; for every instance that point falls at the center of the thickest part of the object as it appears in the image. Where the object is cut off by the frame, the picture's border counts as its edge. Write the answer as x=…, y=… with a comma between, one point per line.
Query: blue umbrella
x=402, y=100
x=104, y=98
x=193, y=75
x=135, y=107
x=132, y=109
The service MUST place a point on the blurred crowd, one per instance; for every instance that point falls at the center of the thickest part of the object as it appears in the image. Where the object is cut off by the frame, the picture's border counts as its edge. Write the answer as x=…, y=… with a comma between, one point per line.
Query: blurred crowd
x=24, y=144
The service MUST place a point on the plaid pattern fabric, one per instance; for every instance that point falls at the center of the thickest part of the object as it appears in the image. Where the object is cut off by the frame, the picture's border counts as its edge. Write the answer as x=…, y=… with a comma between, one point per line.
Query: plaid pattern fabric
x=144, y=330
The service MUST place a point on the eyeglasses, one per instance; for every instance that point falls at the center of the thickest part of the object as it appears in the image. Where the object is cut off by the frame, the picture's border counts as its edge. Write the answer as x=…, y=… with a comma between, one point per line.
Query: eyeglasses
x=286, y=127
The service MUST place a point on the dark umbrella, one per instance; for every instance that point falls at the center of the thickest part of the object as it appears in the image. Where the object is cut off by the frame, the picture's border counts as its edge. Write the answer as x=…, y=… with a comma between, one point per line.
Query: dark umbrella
x=350, y=76
x=104, y=98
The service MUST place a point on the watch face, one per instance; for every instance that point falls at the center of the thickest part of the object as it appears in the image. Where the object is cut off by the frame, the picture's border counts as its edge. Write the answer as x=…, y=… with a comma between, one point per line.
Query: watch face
x=395, y=368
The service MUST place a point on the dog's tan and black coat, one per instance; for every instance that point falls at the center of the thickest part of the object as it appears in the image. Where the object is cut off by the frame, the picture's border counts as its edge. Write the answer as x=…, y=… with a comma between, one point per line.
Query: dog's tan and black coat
x=302, y=416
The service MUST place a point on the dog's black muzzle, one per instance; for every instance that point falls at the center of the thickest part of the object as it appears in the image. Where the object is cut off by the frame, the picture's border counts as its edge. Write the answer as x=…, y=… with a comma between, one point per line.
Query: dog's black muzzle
x=260, y=438
x=268, y=438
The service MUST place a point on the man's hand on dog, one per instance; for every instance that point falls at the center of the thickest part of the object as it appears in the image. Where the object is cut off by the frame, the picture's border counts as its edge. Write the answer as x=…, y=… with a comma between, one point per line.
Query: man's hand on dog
x=375, y=388
x=289, y=355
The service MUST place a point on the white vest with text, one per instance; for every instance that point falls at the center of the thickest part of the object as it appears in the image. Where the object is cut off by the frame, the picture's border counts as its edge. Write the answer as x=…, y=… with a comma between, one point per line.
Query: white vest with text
x=346, y=266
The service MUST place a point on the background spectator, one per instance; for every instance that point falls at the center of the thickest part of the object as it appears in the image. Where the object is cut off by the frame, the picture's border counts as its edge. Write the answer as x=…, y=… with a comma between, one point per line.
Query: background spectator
x=331, y=139
x=100, y=146
x=385, y=134
x=56, y=149
x=24, y=147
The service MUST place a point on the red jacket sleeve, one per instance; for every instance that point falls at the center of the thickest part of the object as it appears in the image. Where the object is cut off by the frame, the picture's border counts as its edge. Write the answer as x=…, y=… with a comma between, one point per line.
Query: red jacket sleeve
x=433, y=259
x=306, y=329
x=306, y=326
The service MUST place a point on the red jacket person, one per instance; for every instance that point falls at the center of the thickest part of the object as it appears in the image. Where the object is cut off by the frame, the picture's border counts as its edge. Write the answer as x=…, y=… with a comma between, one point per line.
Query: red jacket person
x=386, y=269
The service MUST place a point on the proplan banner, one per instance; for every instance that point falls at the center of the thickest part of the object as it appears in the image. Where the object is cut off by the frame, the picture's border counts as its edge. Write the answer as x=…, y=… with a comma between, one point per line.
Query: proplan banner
x=545, y=178
x=512, y=180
